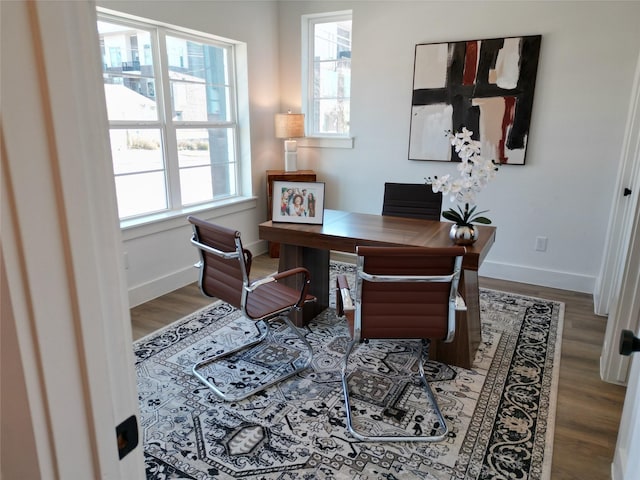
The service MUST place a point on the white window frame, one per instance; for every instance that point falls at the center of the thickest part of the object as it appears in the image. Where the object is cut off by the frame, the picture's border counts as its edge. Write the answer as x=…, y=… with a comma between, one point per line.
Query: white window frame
x=314, y=139
x=242, y=199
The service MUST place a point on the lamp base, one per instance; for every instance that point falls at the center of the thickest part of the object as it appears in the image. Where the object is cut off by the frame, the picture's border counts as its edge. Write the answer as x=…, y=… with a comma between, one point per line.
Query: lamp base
x=290, y=161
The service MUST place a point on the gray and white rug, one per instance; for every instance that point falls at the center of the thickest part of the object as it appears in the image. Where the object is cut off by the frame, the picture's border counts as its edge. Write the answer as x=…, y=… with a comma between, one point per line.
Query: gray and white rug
x=500, y=413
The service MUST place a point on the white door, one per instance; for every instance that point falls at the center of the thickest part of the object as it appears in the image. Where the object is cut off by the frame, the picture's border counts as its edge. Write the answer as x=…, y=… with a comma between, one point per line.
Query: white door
x=614, y=294
x=619, y=293
x=626, y=461
x=61, y=248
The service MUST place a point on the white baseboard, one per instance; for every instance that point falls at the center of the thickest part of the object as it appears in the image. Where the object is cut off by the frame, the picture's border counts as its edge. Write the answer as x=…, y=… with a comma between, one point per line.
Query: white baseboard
x=145, y=292
x=547, y=278
x=614, y=472
x=155, y=288
x=535, y=276
x=517, y=273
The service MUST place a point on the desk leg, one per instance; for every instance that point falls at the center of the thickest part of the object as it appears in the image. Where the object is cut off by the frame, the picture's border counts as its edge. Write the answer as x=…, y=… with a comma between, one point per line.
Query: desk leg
x=317, y=262
x=462, y=350
x=472, y=298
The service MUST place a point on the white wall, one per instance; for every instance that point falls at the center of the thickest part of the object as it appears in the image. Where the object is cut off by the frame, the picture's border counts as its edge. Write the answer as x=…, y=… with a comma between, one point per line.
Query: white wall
x=565, y=190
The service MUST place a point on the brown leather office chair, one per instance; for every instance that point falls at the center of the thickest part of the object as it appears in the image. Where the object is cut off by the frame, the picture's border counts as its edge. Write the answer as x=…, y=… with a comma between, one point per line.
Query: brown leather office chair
x=412, y=200
x=224, y=274
x=401, y=293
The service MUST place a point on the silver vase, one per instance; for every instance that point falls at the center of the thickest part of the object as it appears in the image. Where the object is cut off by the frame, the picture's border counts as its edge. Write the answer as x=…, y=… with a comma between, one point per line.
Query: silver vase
x=463, y=234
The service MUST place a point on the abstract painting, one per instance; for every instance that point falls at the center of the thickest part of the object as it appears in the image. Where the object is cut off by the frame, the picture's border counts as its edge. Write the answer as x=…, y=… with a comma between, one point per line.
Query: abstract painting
x=484, y=85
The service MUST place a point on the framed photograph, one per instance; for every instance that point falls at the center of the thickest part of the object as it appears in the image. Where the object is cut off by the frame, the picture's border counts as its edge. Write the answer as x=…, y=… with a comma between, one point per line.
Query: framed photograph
x=298, y=202
x=484, y=85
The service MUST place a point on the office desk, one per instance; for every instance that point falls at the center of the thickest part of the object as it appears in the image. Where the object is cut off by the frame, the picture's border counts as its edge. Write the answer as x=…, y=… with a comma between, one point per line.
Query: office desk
x=310, y=246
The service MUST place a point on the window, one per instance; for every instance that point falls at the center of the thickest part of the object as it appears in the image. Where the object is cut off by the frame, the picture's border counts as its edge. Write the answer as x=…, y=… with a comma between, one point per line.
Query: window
x=327, y=73
x=171, y=105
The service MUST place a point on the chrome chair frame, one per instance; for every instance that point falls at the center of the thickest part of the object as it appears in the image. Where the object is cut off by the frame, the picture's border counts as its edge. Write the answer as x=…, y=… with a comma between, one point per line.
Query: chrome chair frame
x=262, y=321
x=346, y=306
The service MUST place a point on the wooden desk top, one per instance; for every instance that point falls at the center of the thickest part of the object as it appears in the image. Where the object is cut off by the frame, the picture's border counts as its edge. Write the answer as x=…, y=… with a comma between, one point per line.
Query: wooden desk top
x=342, y=231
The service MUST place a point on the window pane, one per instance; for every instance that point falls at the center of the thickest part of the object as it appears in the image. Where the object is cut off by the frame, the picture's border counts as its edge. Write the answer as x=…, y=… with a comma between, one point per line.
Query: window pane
x=332, y=116
x=199, y=80
x=193, y=147
x=138, y=150
x=199, y=103
x=214, y=149
x=128, y=74
x=333, y=79
x=124, y=102
x=330, y=77
x=332, y=40
x=223, y=180
x=141, y=193
x=224, y=166
x=196, y=185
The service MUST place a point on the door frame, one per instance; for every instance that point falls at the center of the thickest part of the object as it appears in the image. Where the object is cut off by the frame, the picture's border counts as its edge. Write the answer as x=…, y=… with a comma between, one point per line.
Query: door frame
x=614, y=295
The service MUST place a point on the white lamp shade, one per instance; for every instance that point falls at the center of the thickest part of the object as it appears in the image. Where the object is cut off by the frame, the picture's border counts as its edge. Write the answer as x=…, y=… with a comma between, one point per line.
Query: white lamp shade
x=289, y=125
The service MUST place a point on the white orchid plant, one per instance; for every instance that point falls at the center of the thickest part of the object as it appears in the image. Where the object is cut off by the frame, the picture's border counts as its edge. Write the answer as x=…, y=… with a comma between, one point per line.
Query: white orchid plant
x=475, y=173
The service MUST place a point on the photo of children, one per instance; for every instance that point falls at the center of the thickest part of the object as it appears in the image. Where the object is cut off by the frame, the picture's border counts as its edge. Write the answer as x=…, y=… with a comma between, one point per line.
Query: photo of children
x=298, y=202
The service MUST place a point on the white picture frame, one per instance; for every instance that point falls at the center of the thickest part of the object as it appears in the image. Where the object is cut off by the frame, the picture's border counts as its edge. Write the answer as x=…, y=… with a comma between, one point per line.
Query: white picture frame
x=298, y=202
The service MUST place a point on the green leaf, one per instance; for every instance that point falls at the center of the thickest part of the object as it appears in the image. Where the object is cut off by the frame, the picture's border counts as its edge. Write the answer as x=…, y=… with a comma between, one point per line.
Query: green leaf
x=481, y=212
x=453, y=216
x=466, y=216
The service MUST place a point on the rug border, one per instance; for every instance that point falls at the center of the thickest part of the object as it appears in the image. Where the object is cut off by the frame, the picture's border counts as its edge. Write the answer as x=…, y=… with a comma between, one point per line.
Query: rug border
x=547, y=462
x=553, y=404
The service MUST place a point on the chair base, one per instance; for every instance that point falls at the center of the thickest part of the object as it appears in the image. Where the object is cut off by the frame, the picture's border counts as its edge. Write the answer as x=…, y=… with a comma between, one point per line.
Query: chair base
x=254, y=366
x=438, y=433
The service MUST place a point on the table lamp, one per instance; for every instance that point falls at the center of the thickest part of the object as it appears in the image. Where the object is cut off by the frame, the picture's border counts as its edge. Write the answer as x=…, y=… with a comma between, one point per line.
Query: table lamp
x=289, y=126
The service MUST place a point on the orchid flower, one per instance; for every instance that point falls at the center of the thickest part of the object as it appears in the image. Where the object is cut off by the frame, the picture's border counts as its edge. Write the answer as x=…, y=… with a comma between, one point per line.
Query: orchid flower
x=475, y=173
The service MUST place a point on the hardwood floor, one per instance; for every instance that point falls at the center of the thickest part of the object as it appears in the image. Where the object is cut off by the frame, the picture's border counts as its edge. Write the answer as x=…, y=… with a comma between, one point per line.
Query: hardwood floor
x=162, y=311
x=588, y=409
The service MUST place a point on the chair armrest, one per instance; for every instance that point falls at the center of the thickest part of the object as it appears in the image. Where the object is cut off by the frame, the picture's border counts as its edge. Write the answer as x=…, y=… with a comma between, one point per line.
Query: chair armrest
x=461, y=306
x=248, y=256
x=344, y=302
x=258, y=283
x=305, y=285
x=279, y=276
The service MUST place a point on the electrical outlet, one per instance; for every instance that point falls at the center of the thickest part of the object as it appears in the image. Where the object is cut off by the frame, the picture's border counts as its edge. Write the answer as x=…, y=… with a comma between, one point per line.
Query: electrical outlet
x=541, y=244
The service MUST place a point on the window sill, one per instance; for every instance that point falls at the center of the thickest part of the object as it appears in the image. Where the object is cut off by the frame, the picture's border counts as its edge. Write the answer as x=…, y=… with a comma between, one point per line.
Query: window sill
x=326, y=142
x=141, y=227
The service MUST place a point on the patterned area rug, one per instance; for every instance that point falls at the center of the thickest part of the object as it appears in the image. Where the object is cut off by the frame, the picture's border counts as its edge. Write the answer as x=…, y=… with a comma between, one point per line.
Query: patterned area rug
x=500, y=413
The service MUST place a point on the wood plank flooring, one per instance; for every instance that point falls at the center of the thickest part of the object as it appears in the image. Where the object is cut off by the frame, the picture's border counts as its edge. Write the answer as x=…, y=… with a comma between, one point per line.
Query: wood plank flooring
x=588, y=409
